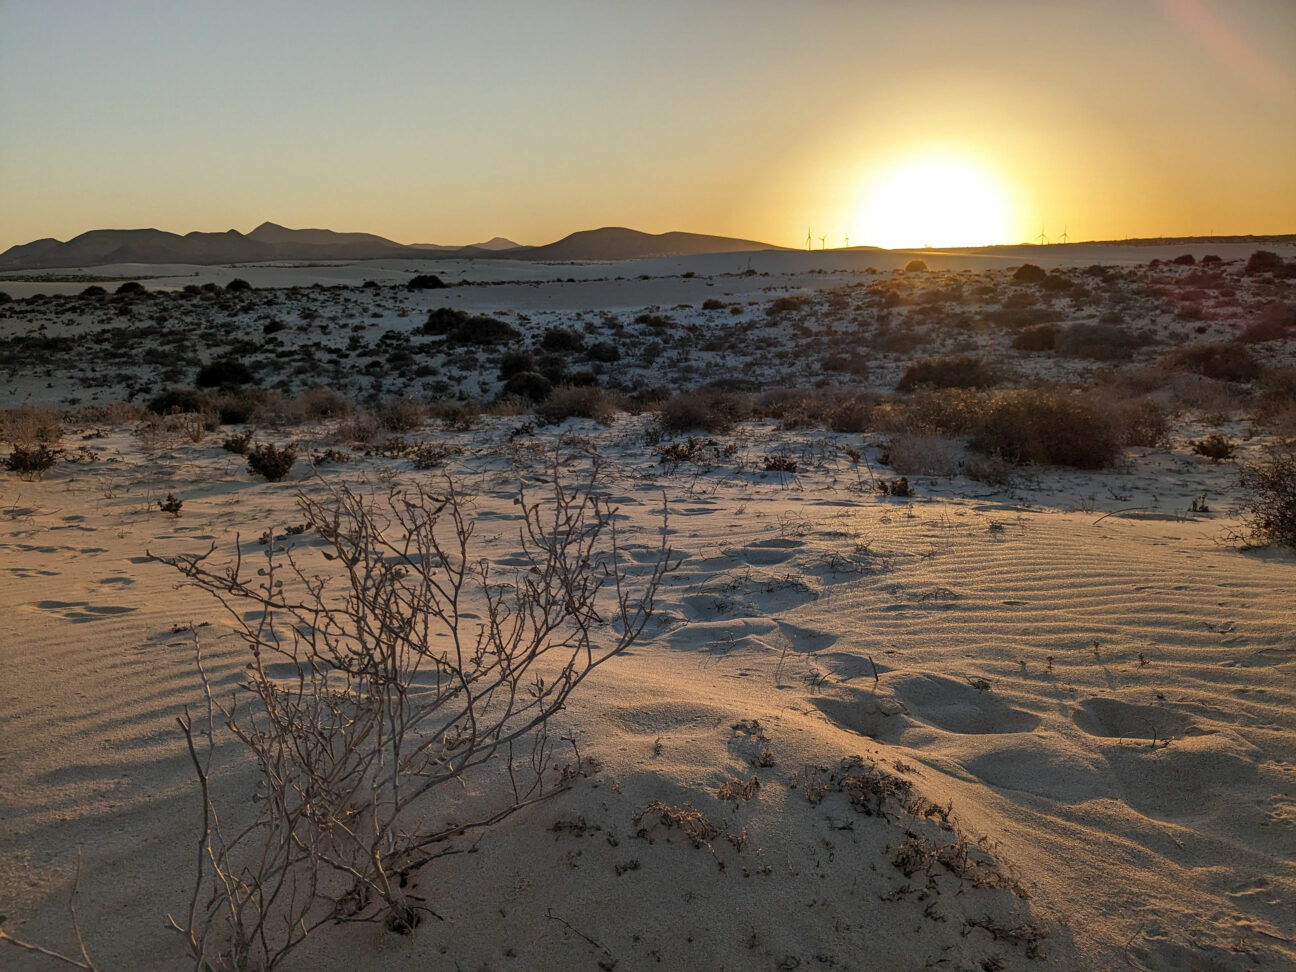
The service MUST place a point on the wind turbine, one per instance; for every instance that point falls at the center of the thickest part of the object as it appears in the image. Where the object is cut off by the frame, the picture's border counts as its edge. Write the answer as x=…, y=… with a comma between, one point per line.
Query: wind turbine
x=848, y=242
x=808, y=246
x=1064, y=234
x=822, y=244
x=1042, y=238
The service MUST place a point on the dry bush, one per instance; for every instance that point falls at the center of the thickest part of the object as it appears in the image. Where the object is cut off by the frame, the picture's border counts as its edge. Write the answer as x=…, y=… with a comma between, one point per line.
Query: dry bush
x=361, y=427
x=1214, y=447
x=270, y=461
x=957, y=371
x=1099, y=342
x=1222, y=361
x=924, y=455
x=583, y=401
x=1047, y=426
x=379, y=678
x=950, y=411
x=1139, y=421
x=30, y=426
x=1276, y=322
x=31, y=462
x=1269, y=513
x=704, y=410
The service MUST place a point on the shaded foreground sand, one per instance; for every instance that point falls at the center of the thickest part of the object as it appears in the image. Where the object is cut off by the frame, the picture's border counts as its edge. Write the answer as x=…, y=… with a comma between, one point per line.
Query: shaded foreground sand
x=1102, y=705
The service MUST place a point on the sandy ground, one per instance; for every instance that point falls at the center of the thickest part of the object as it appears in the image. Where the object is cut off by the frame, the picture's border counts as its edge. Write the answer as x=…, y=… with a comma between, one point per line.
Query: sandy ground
x=1096, y=687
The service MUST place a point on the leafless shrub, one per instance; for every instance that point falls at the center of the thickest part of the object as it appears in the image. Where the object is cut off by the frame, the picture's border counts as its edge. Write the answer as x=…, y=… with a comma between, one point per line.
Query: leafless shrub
x=1269, y=512
x=924, y=455
x=30, y=426
x=580, y=401
x=376, y=679
x=31, y=462
x=705, y=410
x=1222, y=361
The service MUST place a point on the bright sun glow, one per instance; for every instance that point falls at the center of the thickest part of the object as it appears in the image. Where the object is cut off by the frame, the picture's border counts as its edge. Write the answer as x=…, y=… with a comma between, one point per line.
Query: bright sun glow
x=933, y=201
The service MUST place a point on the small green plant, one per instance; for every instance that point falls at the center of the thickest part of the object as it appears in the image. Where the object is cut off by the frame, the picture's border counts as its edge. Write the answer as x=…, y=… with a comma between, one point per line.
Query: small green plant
x=239, y=443
x=31, y=462
x=171, y=504
x=272, y=462
x=895, y=487
x=1214, y=447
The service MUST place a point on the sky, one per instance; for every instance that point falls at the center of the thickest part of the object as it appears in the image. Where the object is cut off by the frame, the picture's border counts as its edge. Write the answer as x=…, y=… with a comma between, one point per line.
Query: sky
x=883, y=123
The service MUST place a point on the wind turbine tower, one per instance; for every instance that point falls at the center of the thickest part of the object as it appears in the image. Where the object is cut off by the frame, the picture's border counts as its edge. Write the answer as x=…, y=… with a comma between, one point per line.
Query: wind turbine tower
x=1064, y=234
x=1042, y=238
x=822, y=244
x=808, y=239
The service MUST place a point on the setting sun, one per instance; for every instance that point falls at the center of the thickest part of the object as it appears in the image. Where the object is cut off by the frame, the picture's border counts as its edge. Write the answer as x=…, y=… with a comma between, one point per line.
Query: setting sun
x=933, y=201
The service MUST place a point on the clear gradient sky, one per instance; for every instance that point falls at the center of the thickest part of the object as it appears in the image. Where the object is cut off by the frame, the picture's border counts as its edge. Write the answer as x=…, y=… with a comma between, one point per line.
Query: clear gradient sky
x=432, y=122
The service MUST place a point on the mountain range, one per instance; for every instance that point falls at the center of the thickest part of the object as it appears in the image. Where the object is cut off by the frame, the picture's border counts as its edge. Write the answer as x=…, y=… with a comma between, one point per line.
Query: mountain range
x=271, y=242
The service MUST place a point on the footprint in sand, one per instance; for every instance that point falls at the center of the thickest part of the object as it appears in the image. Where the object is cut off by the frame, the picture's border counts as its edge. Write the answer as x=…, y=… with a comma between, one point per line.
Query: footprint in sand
x=957, y=706
x=766, y=553
x=805, y=640
x=79, y=612
x=1113, y=719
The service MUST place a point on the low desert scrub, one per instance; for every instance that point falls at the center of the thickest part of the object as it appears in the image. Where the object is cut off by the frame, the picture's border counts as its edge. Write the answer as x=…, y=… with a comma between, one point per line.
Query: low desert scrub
x=1139, y=421
x=239, y=443
x=959, y=371
x=924, y=455
x=583, y=401
x=30, y=426
x=383, y=683
x=704, y=410
x=1221, y=361
x=1047, y=426
x=1215, y=447
x=31, y=462
x=950, y=411
x=1269, y=512
x=1099, y=342
x=271, y=461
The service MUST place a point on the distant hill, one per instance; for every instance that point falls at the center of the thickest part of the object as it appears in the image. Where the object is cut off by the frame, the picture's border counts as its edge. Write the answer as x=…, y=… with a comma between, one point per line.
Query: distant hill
x=271, y=242
x=618, y=243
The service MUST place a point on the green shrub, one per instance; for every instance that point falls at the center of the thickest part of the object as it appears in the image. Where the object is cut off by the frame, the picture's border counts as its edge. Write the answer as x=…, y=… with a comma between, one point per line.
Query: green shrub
x=568, y=401
x=916, y=266
x=515, y=362
x=1214, y=447
x=1222, y=361
x=1099, y=342
x=238, y=285
x=223, y=371
x=959, y=371
x=31, y=462
x=604, y=351
x=238, y=443
x=130, y=287
x=172, y=400
x=1040, y=337
x=708, y=410
x=561, y=339
x=425, y=281
x=1264, y=261
x=1269, y=513
x=94, y=290
x=1047, y=427
x=1029, y=273
x=530, y=385
x=271, y=462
